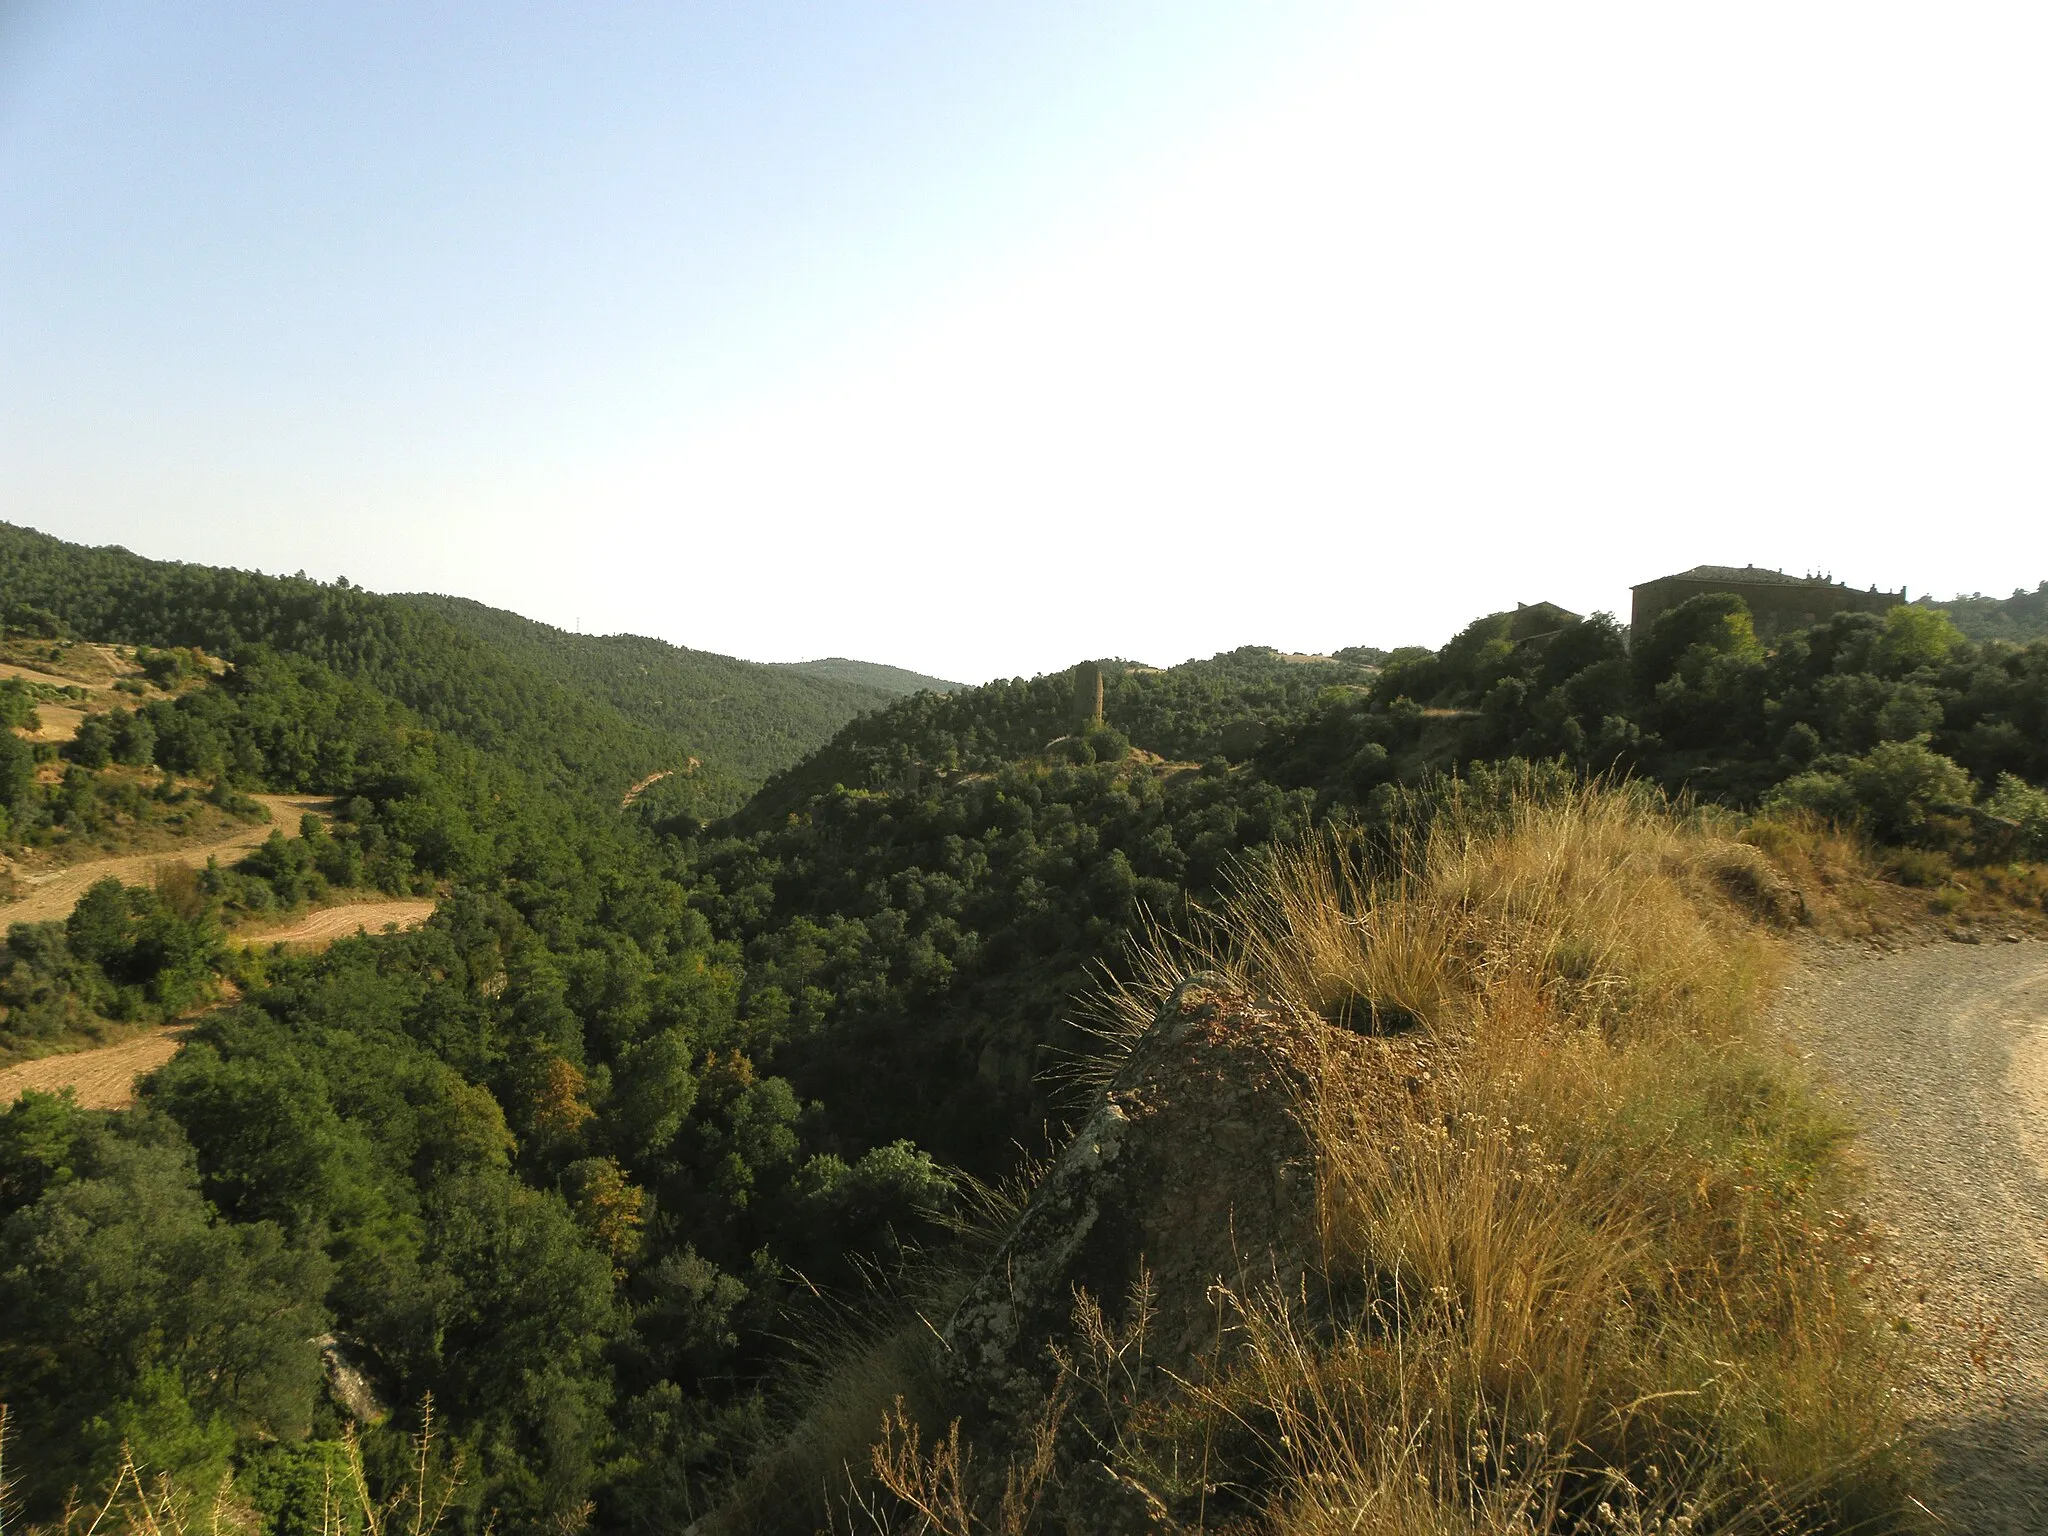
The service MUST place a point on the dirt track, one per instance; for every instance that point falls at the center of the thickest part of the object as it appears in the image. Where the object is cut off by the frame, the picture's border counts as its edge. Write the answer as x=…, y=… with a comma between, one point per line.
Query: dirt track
x=102, y=1079
x=330, y=923
x=52, y=896
x=1941, y=1054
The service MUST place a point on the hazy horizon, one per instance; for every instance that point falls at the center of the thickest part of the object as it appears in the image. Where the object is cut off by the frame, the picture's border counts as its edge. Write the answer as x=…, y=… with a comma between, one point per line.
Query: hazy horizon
x=976, y=341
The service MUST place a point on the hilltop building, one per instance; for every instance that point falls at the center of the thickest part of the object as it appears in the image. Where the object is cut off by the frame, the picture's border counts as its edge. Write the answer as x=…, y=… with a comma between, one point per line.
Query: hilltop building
x=1778, y=603
x=1538, y=621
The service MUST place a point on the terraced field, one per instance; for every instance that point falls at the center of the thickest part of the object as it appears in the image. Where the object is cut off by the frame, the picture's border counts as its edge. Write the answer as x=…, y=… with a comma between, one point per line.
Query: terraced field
x=49, y=897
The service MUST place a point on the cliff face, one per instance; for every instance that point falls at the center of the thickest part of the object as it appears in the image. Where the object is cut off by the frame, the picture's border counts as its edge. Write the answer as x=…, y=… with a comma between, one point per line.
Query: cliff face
x=1192, y=1173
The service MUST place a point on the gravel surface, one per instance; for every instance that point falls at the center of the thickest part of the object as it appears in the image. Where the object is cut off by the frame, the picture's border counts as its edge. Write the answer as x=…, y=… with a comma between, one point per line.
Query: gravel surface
x=1941, y=1055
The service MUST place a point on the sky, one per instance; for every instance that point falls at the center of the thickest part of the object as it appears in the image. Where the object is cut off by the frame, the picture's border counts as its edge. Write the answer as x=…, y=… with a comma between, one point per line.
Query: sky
x=978, y=338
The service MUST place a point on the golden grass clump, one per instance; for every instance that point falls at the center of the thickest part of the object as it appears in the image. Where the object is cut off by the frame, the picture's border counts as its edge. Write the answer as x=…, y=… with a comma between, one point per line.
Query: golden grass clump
x=1585, y=1262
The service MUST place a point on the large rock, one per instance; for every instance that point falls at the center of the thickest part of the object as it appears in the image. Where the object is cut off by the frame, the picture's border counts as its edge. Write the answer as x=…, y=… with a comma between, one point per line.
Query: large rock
x=1193, y=1169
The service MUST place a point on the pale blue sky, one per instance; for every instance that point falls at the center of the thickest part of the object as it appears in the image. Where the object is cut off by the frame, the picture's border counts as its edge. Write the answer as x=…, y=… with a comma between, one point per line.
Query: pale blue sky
x=978, y=337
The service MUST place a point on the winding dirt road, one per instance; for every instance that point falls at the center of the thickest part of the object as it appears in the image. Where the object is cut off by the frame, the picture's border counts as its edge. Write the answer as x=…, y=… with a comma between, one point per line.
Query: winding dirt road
x=1941, y=1055
x=51, y=897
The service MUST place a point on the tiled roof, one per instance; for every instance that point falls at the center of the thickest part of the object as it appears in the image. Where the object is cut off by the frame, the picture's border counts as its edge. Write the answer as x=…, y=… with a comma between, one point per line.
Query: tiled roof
x=1751, y=575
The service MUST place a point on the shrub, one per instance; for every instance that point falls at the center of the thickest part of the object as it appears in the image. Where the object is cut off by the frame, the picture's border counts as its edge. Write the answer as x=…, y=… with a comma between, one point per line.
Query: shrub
x=2018, y=801
x=17, y=706
x=93, y=746
x=1894, y=792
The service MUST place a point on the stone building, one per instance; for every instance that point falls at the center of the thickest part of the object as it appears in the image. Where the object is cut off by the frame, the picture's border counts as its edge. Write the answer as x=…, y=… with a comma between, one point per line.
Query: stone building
x=1778, y=603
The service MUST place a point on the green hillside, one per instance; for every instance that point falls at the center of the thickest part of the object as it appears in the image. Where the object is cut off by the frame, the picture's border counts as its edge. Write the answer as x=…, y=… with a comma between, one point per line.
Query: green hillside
x=453, y=681
x=593, y=715
x=2021, y=617
x=747, y=717
x=1190, y=713
x=872, y=674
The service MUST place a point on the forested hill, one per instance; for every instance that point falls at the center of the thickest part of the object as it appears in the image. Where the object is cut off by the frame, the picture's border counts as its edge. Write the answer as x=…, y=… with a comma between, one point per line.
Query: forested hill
x=453, y=681
x=873, y=674
x=1199, y=710
x=582, y=715
x=749, y=718
x=2019, y=618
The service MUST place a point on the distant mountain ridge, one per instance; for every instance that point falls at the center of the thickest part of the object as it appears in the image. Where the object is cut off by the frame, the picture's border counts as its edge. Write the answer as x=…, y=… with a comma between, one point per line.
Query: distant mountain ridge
x=751, y=718
x=873, y=674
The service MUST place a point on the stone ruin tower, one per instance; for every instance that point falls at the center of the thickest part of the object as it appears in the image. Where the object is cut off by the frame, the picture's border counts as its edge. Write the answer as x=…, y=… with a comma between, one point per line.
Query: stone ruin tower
x=1087, y=696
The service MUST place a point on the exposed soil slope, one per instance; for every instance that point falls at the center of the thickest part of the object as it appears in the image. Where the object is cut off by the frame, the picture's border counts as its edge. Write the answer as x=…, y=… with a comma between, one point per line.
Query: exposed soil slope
x=102, y=1079
x=1941, y=1054
x=50, y=897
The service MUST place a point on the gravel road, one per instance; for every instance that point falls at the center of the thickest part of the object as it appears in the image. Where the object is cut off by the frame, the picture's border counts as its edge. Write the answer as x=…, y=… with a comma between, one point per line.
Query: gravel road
x=1941, y=1055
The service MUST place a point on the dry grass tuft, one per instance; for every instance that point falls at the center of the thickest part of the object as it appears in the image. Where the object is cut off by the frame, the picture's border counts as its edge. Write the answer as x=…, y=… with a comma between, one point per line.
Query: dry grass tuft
x=1834, y=869
x=1582, y=1235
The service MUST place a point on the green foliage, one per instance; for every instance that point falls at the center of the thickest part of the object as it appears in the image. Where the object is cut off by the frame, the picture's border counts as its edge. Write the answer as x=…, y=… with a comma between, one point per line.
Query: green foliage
x=93, y=746
x=576, y=724
x=2020, y=618
x=1916, y=637
x=134, y=1313
x=893, y=681
x=124, y=953
x=17, y=706
x=1894, y=791
x=1687, y=641
x=2020, y=802
x=746, y=718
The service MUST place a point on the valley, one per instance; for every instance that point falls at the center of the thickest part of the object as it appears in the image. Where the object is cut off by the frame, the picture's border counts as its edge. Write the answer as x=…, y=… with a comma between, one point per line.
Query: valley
x=661, y=1124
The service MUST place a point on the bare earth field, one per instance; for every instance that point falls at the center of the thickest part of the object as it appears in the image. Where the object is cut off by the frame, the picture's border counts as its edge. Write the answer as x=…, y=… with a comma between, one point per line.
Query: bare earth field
x=60, y=723
x=36, y=675
x=50, y=897
x=1941, y=1055
x=318, y=929
x=102, y=1079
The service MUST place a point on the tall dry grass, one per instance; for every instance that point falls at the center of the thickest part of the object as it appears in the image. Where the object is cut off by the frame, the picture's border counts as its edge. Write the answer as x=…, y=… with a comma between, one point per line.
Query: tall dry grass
x=1586, y=1267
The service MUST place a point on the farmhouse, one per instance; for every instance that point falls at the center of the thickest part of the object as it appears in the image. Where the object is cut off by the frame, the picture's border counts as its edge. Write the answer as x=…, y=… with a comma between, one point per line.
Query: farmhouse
x=1778, y=603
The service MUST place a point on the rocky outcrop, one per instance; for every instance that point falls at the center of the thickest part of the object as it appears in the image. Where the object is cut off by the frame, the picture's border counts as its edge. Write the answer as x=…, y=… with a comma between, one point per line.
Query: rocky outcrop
x=347, y=1381
x=1193, y=1171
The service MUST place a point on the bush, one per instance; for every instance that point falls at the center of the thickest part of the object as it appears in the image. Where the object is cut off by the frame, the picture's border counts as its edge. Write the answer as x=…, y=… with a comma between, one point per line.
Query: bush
x=93, y=746
x=2018, y=801
x=17, y=706
x=1893, y=792
x=1585, y=1262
